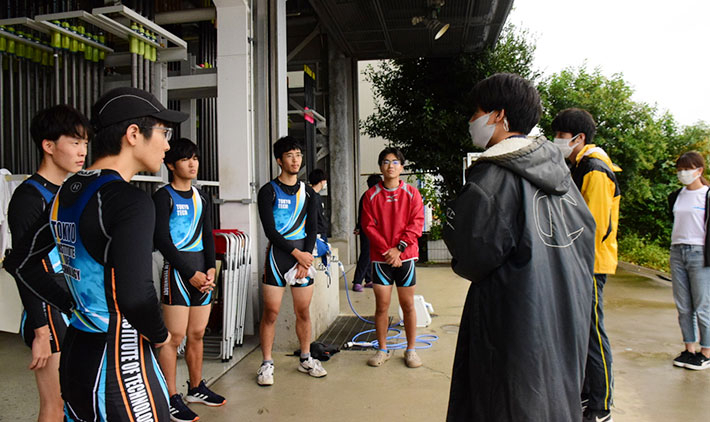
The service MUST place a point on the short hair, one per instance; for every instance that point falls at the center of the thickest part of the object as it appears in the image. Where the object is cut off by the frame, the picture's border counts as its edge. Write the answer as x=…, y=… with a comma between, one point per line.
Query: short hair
x=179, y=149
x=284, y=145
x=390, y=150
x=373, y=179
x=512, y=93
x=59, y=120
x=316, y=177
x=107, y=141
x=574, y=121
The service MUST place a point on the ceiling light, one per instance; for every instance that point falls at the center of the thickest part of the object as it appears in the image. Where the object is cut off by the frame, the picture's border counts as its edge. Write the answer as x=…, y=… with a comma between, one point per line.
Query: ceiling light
x=431, y=21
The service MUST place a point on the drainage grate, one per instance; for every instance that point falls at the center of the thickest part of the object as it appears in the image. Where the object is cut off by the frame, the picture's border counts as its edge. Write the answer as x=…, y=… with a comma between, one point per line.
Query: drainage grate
x=344, y=328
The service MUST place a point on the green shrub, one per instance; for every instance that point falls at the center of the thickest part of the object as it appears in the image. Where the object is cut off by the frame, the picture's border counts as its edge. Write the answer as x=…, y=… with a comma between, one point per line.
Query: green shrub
x=645, y=252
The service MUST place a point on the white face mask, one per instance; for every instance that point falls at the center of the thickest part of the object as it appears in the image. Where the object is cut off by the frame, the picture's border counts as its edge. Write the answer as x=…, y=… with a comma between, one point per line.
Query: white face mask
x=564, y=146
x=687, y=177
x=480, y=131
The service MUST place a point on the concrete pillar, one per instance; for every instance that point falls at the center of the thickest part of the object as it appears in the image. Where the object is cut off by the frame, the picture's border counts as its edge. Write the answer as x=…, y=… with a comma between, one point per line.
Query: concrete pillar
x=341, y=131
x=234, y=130
x=325, y=304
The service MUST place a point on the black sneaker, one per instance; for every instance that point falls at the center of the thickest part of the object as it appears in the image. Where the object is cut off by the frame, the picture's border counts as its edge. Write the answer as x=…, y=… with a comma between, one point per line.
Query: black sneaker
x=592, y=415
x=698, y=363
x=179, y=412
x=684, y=358
x=202, y=394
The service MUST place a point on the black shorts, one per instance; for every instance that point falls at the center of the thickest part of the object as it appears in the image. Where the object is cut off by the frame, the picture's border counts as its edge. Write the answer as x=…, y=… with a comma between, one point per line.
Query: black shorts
x=278, y=263
x=178, y=291
x=58, y=323
x=112, y=377
x=386, y=275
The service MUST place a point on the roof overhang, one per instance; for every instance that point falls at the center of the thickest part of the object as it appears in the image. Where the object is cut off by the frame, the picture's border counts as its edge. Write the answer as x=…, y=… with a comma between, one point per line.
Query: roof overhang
x=383, y=29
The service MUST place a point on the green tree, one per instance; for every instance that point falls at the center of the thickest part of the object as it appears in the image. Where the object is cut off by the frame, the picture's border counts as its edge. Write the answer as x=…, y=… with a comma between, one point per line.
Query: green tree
x=642, y=141
x=423, y=104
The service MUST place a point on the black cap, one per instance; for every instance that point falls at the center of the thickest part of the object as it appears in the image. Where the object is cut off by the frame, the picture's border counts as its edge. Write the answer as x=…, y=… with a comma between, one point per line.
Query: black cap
x=121, y=104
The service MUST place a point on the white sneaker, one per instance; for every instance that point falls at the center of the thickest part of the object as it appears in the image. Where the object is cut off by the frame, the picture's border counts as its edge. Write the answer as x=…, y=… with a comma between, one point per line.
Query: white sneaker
x=265, y=374
x=312, y=367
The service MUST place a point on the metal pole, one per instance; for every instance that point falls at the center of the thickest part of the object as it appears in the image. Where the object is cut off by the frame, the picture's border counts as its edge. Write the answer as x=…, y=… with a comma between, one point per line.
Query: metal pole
x=66, y=42
x=11, y=107
x=146, y=74
x=80, y=83
x=22, y=158
x=74, y=47
x=57, y=83
x=88, y=53
x=65, y=77
x=3, y=126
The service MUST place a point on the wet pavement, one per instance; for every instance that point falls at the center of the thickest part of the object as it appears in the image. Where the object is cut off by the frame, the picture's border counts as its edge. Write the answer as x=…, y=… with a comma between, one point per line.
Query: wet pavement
x=640, y=319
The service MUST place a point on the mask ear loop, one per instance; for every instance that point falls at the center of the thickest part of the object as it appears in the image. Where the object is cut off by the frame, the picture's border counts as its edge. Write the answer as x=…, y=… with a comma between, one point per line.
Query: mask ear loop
x=506, y=127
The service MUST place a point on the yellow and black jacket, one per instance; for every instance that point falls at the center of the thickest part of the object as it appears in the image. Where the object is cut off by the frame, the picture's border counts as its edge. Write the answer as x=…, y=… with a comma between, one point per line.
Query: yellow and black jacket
x=593, y=173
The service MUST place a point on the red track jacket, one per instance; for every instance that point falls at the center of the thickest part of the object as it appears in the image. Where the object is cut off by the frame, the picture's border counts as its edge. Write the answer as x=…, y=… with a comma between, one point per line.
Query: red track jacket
x=391, y=216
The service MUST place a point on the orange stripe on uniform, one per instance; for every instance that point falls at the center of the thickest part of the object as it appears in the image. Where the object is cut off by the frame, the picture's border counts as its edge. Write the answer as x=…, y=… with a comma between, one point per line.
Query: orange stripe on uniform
x=118, y=346
x=51, y=327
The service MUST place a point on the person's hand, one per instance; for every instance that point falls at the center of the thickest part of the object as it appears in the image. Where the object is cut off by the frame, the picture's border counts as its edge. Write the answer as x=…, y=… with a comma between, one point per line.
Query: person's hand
x=356, y=232
x=301, y=272
x=41, y=349
x=391, y=256
x=304, y=258
x=397, y=263
x=166, y=341
x=200, y=281
x=210, y=280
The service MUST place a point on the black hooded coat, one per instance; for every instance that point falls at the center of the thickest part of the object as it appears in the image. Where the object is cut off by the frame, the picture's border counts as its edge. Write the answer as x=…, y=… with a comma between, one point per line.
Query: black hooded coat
x=521, y=232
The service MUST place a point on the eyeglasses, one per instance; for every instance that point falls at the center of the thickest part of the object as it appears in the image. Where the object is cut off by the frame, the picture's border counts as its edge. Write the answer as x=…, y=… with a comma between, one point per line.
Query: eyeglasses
x=292, y=155
x=388, y=162
x=167, y=130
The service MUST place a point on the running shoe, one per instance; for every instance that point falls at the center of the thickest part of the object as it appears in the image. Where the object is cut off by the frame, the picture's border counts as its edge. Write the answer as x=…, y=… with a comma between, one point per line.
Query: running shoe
x=592, y=415
x=357, y=288
x=202, y=394
x=265, y=374
x=411, y=359
x=179, y=412
x=312, y=367
x=684, y=358
x=698, y=363
x=379, y=358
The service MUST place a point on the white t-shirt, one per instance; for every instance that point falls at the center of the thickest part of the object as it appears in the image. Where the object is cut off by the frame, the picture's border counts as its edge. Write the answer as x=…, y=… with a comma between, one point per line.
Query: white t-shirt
x=689, y=217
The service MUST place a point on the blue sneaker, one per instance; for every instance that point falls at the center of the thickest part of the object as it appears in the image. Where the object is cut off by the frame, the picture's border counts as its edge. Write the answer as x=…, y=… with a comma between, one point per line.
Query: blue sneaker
x=202, y=394
x=179, y=412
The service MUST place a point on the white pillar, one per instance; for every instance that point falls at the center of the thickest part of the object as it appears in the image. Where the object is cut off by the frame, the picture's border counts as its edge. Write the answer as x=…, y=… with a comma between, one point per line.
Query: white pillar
x=234, y=129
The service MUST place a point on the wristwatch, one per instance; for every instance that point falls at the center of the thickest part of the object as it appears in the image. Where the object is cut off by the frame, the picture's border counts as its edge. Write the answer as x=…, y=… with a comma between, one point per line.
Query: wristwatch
x=401, y=246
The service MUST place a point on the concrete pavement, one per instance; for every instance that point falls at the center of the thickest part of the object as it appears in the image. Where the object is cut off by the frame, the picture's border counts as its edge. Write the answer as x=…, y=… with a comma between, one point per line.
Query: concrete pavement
x=640, y=319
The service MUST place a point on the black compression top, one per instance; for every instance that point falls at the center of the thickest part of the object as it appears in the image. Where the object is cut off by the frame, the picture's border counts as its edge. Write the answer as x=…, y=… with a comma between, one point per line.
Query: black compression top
x=164, y=241
x=265, y=201
x=116, y=229
x=26, y=208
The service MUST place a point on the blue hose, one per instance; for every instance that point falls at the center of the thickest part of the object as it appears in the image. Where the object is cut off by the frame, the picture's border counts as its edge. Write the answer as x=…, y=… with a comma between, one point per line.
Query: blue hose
x=426, y=339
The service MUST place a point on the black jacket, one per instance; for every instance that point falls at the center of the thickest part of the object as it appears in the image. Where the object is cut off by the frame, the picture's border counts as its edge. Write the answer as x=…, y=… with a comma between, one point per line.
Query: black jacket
x=671, y=202
x=522, y=234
